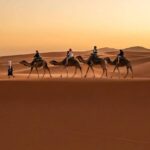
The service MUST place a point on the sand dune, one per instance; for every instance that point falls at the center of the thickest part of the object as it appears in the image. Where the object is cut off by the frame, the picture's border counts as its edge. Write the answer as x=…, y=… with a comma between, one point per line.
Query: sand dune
x=140, y=60
x=75, y=114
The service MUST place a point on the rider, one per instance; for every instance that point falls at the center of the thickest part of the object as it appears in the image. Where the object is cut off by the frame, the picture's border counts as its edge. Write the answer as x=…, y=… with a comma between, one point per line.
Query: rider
x=120, y=56
x=37, y=57
x=69, y=55
x=93, y=55
x=95, y=51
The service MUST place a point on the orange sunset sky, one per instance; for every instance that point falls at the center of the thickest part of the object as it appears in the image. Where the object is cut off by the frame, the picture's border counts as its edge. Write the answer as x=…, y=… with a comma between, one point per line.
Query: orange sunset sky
x=56, y=25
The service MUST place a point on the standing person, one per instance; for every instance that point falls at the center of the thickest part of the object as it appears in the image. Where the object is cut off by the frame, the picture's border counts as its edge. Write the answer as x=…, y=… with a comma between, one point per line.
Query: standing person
x=69, y=55
x=10, y=70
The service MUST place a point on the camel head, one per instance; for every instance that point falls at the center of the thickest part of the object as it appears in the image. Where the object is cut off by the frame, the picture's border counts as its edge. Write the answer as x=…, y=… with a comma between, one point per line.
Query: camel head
x=53, y=62
x=108, y=60
x=80, y=58
x=25, y=63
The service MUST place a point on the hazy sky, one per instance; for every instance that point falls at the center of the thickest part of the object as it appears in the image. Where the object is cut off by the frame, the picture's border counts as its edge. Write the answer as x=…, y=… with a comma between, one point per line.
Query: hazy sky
x=26, y=25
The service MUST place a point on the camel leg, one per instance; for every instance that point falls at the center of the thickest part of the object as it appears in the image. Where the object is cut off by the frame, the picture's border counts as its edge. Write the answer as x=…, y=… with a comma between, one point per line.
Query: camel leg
x=102, y=73
x=131, y=71
x=93, y=71
x=75, y=72
x=87, y=71
x=104, y=67
x=119, y=72
x=113, y=71
x=37, y=72
x=81, y=72
x=67, y=71
x=116, y=67
x=104, y=70
x=106, y=73
x=30, y=72
x=127, y=73
x=44, y=74
x=49, y=72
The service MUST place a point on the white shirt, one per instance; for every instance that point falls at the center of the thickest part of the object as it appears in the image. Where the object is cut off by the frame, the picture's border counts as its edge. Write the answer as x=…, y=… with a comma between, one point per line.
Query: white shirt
x=70, y=55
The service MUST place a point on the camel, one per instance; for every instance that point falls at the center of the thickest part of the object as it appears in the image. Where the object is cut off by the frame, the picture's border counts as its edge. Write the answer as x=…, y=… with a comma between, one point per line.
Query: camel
x=36, y=65
x=72, y=62
x=99, y=61
x=123, y=63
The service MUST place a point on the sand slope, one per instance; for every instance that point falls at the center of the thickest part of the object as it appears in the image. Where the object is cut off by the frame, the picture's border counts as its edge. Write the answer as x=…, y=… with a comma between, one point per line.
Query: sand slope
x=74, y=114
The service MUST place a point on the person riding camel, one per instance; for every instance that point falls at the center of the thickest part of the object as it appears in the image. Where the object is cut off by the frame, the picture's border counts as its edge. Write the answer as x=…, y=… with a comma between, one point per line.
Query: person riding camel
x=93, y=56
x=37, y=57
x=69, y=56
x=95, y=51
x=120, y=56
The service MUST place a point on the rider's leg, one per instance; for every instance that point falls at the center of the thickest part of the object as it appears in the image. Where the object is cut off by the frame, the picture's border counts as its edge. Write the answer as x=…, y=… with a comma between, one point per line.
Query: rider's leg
x=66, y=61
x=118, y=59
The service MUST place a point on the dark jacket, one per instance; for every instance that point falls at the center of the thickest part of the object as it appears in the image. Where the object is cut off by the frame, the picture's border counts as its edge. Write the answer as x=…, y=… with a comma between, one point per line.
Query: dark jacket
x=121, y=54
x=37, y=55
x=10, y=71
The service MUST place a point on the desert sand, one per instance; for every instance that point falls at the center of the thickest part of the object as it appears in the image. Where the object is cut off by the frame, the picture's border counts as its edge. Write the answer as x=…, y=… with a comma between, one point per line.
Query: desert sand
x=75, y=114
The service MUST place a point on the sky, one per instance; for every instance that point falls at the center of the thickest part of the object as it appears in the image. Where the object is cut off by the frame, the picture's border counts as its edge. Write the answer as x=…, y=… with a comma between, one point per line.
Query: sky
x=57, y=25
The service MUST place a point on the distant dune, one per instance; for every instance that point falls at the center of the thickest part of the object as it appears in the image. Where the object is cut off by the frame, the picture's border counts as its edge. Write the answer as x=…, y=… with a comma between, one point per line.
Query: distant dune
x=139, y=57
x=137, y=49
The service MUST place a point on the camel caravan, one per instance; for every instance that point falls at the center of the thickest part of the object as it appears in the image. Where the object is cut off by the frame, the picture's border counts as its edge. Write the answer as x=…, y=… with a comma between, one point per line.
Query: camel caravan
x=71, y=61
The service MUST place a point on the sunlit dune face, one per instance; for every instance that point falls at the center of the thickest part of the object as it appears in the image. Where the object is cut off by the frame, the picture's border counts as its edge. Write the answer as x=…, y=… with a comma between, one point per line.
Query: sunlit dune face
x=58, y=25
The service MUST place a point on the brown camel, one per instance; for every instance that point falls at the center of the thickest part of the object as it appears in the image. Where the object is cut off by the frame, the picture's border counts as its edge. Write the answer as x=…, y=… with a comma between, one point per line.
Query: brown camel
x=36, y=65
x=123, y=63
x=72, y=62
x=98, y=61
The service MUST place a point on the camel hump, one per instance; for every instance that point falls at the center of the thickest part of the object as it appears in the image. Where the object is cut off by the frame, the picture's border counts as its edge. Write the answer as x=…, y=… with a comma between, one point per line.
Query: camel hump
x=125, y=60
x=72, y=60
